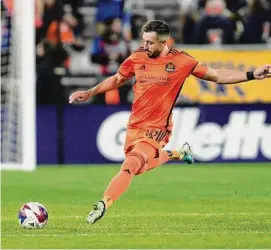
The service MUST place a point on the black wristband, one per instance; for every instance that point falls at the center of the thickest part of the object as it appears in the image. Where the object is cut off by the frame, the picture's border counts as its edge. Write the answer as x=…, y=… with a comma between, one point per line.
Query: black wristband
x=250, y=75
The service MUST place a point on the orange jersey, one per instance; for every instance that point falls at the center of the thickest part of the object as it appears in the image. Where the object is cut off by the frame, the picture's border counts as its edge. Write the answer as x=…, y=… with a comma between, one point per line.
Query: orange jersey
x=157, y=87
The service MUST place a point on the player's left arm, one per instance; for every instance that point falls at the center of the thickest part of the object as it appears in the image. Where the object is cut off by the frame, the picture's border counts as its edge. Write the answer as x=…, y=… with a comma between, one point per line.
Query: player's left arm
x=231, y=76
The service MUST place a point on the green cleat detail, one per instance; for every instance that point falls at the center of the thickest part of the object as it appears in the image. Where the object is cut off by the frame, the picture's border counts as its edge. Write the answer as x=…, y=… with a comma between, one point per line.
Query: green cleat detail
x=96, y=213
x=187, y=153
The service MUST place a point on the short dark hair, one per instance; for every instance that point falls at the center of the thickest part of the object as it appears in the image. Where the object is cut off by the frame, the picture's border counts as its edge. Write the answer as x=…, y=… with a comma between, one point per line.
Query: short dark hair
x=159, y=27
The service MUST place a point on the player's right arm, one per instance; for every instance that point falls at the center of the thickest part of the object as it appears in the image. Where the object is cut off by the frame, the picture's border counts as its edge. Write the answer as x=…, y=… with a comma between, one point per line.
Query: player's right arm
x=108, y=84
x=125, y=72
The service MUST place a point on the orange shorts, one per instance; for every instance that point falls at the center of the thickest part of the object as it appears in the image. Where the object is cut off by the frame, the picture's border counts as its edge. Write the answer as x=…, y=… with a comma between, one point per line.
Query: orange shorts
x=158, y=138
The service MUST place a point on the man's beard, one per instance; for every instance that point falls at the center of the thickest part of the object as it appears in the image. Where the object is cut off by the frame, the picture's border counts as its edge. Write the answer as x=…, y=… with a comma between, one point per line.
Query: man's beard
x=154, y=54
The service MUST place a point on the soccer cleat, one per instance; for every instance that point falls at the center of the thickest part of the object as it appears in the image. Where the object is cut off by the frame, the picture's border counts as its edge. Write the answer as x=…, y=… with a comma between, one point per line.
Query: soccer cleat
x=183, y=154
x=186, y=153
x=97, y=212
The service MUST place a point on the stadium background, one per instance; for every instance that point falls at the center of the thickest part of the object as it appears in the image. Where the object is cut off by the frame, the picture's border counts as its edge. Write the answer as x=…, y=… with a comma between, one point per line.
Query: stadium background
x=79, y=43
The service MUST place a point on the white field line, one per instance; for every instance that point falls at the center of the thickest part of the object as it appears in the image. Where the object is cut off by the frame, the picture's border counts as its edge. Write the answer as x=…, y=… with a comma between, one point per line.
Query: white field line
x=151, y=215
x=163, y=214
x=134, y=234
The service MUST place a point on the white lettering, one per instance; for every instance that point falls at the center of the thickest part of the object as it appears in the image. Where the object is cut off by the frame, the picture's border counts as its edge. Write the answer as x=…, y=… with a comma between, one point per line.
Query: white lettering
x=208, y=138
x=252, y=133
x=245, y=136
x=233, y=135
x=265, y=146
x=111, y=136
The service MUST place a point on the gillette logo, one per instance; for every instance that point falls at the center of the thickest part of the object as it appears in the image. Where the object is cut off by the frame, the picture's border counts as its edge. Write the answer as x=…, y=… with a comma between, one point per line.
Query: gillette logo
x=243, y=135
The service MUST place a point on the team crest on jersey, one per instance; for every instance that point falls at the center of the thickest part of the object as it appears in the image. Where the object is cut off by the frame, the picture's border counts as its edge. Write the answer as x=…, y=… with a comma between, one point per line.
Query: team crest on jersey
x=170, y=67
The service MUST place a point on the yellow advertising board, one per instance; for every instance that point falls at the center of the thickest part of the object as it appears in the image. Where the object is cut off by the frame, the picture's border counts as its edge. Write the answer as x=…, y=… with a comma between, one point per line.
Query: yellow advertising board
x=196, y=90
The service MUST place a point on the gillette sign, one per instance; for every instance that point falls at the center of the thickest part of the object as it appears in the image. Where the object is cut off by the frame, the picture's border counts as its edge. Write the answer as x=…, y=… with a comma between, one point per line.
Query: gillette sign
x=217, y=133
x=245, y=136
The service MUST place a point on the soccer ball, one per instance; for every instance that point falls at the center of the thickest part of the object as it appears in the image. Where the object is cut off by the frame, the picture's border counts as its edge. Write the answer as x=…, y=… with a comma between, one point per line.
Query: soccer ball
x=33, y=215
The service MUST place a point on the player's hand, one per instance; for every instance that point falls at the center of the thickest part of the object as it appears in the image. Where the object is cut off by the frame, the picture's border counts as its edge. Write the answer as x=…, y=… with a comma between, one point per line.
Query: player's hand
x=263, y=72
x=79, y=96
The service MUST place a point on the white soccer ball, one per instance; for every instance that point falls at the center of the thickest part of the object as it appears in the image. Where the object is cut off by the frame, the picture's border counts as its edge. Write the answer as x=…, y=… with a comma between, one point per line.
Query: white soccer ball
x=33, y=215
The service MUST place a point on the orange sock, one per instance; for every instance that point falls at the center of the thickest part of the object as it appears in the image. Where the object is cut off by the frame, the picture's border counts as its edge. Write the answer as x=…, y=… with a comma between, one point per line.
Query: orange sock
x=108, y=201
x=120, y=183
x=175, y=154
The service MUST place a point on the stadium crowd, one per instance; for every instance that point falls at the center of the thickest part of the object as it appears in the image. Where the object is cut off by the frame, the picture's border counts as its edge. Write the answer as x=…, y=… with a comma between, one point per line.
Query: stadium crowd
x=62, y=25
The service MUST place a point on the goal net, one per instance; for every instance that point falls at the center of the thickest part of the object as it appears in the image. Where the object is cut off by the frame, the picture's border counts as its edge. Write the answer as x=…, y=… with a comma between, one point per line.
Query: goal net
x=18, y=133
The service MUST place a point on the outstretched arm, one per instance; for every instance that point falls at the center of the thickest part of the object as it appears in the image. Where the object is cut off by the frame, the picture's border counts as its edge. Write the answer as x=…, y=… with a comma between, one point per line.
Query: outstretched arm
x=231, y=76
x=108, y=84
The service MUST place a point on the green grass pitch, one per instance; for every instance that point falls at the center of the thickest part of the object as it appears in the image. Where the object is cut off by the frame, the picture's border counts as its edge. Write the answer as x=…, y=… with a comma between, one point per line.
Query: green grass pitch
x=174, y=206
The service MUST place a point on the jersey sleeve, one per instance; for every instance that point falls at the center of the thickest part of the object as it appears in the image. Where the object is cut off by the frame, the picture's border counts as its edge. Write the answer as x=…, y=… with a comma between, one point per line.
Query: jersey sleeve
x=193, y=65
x=196, y=68
x=200, y=70
x=126, y=69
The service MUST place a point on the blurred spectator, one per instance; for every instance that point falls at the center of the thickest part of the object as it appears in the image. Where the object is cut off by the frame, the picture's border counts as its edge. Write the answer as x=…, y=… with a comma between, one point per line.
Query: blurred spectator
x=111, y=9
x=190, y=13
x=74, y=17
x=49, y=12
x=50, y=70
x=254, y=16
x=224, y=21
x=214, y=26
x=52, y=57
x=58, y=30
x=235, y=5
x=109, y=51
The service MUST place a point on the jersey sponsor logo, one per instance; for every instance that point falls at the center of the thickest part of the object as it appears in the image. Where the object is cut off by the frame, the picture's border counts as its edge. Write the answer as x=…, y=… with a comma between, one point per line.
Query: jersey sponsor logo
x=244, y=136
x=154, y=79
x=170, y=67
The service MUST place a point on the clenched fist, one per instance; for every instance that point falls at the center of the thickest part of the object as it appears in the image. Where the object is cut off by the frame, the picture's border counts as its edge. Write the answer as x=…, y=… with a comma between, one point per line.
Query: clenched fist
x=263, y=72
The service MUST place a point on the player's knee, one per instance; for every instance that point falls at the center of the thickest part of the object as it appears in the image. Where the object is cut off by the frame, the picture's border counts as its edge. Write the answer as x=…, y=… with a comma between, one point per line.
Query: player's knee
x=134, y=161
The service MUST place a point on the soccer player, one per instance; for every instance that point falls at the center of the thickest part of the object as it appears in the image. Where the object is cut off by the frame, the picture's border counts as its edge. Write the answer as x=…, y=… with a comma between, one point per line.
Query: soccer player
x=160, y=72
